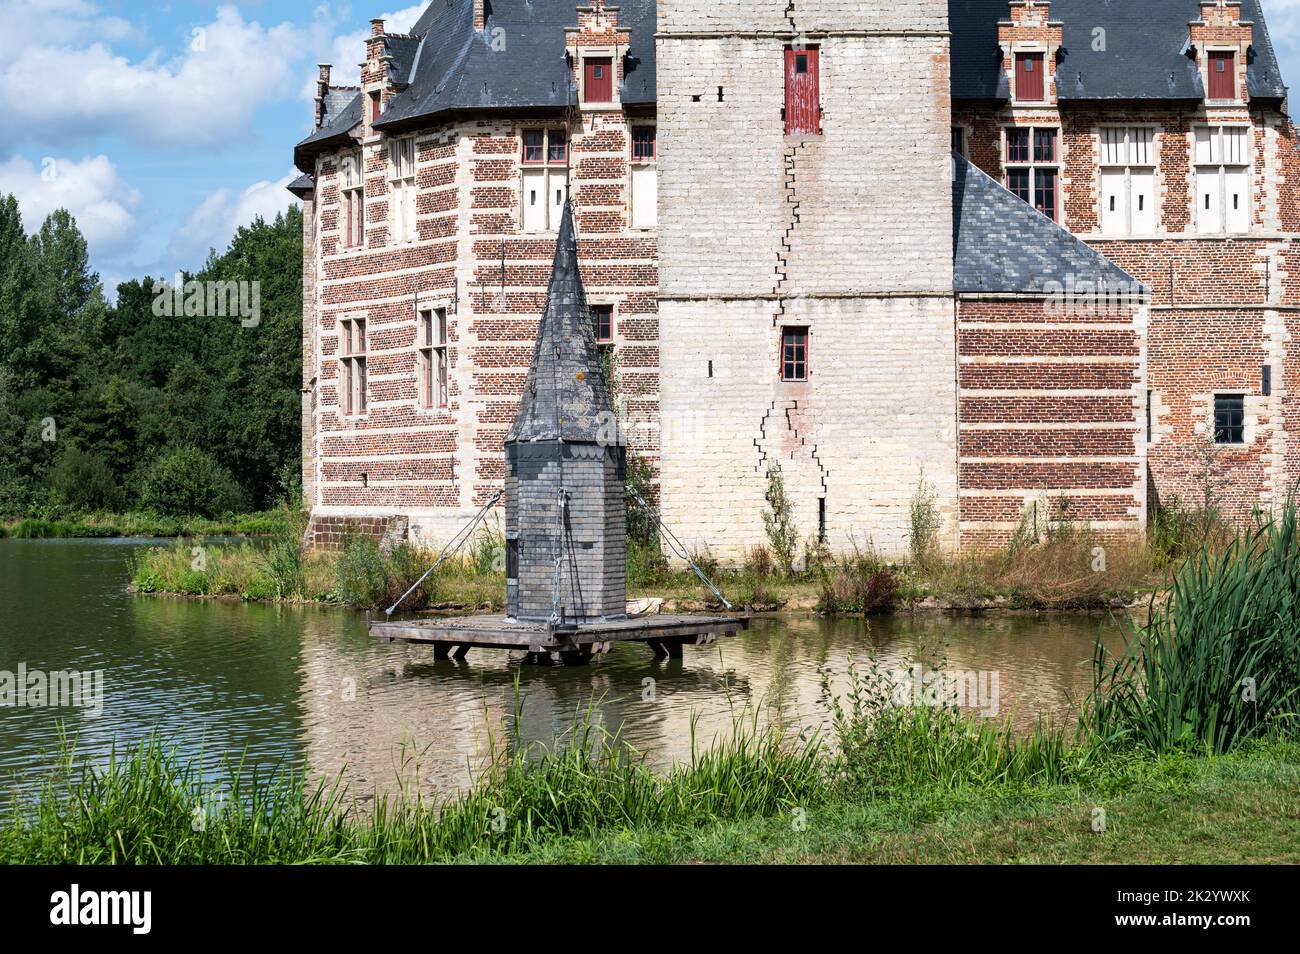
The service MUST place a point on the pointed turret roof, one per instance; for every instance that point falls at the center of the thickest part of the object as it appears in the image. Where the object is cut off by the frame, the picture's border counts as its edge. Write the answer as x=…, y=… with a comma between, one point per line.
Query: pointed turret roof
x=566, y=393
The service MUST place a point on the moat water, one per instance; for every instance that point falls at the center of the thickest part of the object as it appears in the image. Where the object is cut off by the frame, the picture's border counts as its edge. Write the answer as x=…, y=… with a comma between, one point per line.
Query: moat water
x=307, y=688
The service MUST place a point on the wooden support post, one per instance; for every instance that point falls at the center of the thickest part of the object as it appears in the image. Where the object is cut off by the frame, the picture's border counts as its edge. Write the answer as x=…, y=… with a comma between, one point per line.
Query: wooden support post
x=576, y=657
x=441, y=651
x=657, y=645
x=674, y=647
x=461, y=652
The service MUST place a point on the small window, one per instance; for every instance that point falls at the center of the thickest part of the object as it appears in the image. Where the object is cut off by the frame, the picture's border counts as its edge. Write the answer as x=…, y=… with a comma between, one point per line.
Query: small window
x=794, y=354
x=432, y=334
x=602, y=317
x=1229, y=419
x=643, y=144
x=376, y=107
x=352, y=366
x=1030, y=77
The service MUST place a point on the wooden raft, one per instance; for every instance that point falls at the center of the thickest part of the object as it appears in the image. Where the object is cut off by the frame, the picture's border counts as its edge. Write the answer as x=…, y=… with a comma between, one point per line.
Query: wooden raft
x=575, y=644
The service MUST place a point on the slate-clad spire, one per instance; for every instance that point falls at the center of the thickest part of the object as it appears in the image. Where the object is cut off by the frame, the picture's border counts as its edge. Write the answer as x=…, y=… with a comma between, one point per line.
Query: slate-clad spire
x=566, y=393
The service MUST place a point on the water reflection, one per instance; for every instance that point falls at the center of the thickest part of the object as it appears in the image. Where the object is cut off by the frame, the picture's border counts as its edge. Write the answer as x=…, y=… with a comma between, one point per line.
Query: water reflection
x=307, y=687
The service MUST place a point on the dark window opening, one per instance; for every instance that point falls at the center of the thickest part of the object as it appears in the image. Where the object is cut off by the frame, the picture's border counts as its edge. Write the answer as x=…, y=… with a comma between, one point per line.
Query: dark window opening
x=821, y=520
x=644, y=145
x=794, y=354
x=1229, y=419
x=1017, y=145
x=512, y=559
x=602, y=317
x=1266, y=382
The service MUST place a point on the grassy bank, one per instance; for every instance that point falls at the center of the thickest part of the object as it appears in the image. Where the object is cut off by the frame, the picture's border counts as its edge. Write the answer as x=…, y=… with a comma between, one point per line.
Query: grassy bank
x=137, y=525
x=1065, y=566
x=1186, y=750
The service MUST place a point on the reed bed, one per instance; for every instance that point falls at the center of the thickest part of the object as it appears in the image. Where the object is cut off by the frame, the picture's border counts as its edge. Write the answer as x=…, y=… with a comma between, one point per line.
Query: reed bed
x=1219, y=662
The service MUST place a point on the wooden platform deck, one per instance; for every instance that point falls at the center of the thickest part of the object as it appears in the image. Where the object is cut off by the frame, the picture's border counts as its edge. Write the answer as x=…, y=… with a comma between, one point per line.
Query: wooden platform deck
x=574, y=644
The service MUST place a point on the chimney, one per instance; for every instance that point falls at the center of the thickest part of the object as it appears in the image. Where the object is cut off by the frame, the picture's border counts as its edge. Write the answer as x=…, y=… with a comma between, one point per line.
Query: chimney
x=480, y=14
x=377, y=27
x=322, y=90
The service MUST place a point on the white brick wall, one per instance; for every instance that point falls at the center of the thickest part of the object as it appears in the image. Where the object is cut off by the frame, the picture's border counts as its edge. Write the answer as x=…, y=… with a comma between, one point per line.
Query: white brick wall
x=856, y=245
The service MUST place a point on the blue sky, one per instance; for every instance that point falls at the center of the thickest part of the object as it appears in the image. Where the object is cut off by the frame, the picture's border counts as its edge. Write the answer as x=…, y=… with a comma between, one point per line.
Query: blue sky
x=164, y=127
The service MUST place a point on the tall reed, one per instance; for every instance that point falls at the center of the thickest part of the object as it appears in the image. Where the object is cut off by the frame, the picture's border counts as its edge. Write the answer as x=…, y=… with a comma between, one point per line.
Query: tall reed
x=1219, y=662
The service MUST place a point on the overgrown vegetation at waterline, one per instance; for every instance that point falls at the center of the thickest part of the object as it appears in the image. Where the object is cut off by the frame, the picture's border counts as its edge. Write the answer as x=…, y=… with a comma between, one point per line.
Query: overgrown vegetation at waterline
x=1171, y=706
x=1219, y=662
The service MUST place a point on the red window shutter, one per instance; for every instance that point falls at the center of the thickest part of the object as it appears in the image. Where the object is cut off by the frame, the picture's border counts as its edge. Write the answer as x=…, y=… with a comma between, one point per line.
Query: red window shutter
x=599, y=79
x=1030, y=82
x=1223, y=76
x=803, y=91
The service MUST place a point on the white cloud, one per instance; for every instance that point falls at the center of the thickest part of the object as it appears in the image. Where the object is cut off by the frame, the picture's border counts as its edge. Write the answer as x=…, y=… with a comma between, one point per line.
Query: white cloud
x=204, y=96
x=346, y=51
x=214, y=222
x=91, y=189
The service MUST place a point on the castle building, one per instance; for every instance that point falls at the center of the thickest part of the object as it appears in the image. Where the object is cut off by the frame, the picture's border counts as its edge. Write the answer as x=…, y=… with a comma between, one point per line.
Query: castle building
x=1035, y=258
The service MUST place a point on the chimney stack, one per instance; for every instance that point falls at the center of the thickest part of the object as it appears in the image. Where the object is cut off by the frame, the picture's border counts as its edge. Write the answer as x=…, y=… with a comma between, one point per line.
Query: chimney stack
x=376, y=27
x=322, y=90
x=480, y=14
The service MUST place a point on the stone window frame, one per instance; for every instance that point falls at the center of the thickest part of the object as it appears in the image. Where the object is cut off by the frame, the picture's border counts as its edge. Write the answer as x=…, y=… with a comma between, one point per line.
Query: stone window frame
x=403, y=188
x=352, y=200
x=1128, y=166
x=1237, y=59
x=1221, y=167
x=431, y=354
x=1241, y=426
x=354, y=378
x=1047, y=51
x=615, y=54
x=551, y=167
x=633, y=163
x=782, y=361
x=1057, y=164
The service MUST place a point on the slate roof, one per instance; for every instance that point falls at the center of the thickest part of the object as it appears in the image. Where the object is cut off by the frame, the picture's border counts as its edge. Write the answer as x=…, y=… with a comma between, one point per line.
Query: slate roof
x=1145, y=55
x=460, y=69
x=565, y=394
x=1003, y=244
x=335, y=128
x=302, y=186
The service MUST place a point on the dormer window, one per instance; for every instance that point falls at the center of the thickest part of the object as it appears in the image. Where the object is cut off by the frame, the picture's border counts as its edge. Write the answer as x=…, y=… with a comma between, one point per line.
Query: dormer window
x=1223, y=75
x=1031, y=84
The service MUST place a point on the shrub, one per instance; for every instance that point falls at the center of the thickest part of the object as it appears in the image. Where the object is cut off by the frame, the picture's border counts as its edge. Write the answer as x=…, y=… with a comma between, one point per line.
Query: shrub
x=83, y=480
x=186, y=481
x=924, y=521
x=858, y=583
x=778, y=521
x=362, y=573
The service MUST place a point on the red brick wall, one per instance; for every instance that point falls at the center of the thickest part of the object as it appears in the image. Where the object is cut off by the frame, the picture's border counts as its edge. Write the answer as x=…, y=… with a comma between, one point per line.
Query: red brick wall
x=1049, y=415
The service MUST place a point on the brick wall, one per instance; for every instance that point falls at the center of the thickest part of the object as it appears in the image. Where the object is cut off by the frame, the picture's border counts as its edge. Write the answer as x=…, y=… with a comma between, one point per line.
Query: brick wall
x=759, y=230
x=471, y=257
x=1051, y=410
